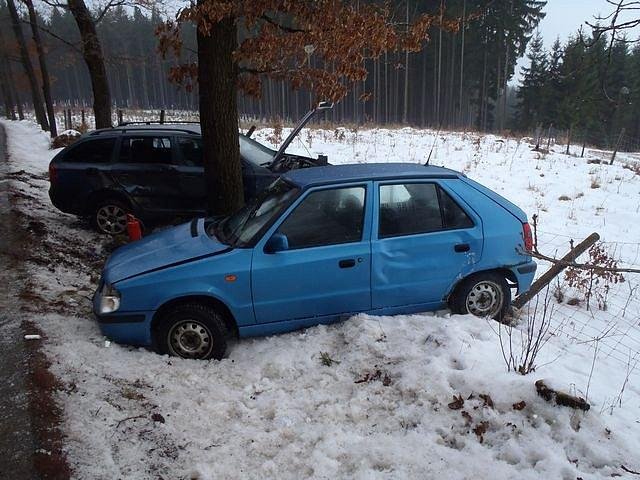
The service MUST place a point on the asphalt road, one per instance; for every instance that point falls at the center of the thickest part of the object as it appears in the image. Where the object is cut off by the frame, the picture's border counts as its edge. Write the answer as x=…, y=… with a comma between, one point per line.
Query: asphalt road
x=16, y=440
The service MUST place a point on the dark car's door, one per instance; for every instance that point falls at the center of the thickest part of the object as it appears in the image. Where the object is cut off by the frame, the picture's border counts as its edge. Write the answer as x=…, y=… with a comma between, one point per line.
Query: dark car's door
x=191, y=173
x=146, y=170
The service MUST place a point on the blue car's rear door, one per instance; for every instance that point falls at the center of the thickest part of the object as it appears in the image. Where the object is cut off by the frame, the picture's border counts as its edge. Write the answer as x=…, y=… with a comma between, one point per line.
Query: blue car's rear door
x=424, y=238
x=326, y=270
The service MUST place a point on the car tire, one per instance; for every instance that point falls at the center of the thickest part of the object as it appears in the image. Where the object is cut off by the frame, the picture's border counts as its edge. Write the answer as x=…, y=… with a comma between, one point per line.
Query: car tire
x=193, y=331
x=110, y=217
x=483, y=295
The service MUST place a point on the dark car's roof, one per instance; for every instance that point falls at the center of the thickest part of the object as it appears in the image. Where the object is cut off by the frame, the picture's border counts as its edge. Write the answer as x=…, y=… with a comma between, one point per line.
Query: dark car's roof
x=152, y=127
x=365, y=171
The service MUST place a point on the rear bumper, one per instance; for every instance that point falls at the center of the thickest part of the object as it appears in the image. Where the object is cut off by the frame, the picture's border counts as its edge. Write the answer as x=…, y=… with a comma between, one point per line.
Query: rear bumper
x=524, y=274
x=65, y=202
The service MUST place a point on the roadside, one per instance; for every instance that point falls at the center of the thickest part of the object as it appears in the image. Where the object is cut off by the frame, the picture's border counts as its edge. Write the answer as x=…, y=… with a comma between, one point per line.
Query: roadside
x=29, y=434
x=16, y=438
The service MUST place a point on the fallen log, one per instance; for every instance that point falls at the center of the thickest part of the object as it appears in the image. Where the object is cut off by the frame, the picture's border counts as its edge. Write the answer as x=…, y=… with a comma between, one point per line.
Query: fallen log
x=561, y=398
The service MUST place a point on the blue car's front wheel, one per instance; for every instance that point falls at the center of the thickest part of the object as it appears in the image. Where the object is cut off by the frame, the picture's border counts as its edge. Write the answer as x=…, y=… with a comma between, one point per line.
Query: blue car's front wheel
x=192, y=331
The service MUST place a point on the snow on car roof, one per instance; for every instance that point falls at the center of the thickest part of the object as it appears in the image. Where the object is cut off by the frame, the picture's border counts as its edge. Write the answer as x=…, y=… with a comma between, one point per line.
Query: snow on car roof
x=361, y=171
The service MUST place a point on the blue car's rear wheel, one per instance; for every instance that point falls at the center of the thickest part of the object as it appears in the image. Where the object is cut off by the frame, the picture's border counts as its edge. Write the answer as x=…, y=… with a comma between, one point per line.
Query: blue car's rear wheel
x=483, y=295
x=192, y=331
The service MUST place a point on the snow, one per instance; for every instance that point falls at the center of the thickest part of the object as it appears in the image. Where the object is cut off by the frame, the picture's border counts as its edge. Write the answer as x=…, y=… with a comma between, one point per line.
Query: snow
x=273, y=409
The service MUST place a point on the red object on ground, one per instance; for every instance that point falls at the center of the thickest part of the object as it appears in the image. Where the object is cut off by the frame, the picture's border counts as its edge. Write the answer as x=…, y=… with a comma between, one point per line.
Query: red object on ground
x=134, y=230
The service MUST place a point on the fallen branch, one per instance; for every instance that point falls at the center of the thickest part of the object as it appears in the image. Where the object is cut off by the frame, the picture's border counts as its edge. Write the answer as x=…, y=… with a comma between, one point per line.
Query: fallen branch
x=561, y=398
x=583, y=266
x=628, y=470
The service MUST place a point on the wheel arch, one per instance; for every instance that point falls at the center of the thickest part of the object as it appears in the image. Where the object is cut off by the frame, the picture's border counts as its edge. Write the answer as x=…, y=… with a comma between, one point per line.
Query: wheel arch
x=511, y=278
x=213, y=302
x=100, y=195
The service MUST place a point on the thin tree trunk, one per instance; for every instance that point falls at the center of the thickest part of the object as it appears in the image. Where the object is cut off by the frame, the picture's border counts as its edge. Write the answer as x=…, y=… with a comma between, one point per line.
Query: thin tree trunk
x=405, y=109
x=217, y=75
x=464, y=13
x=44, y=72
x=92, y=53
x=28, y=67
x=9, y=106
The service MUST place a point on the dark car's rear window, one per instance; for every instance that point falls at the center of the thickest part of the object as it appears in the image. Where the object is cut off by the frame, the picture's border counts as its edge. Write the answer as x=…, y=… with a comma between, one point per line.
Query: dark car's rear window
x=91, y=151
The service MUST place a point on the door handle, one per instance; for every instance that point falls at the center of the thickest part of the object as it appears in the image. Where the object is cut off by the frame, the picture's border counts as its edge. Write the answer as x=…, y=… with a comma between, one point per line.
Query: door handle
x=348, y=263
x=462, y=247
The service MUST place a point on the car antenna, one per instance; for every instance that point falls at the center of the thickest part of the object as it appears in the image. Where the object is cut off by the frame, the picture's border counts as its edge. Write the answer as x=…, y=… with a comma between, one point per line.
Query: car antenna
x=434, y=144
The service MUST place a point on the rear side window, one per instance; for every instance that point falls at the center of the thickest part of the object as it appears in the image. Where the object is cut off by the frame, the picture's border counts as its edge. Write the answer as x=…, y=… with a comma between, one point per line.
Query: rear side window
x=413, y=208
x=145, y=150
x=91, y=151
x=326, y=217
x=191, y=151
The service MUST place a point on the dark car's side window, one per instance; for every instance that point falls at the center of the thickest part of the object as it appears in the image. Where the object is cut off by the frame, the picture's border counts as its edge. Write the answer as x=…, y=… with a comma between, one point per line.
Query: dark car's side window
x=91, y=151
x=326, y=217
x=191, y=150
x=412, y=208
x=145, y=150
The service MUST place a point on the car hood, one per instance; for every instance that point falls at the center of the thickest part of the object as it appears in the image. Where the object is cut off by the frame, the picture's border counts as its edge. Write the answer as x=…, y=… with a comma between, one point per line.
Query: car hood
x=165, y=249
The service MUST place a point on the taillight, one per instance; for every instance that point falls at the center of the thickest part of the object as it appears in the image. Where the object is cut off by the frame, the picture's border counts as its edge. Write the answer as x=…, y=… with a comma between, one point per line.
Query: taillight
x=53, y=173
x=528, y=237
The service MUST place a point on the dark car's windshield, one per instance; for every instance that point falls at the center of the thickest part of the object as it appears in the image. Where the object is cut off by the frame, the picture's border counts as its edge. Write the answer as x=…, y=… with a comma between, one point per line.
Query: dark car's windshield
x=255, y=152
x=242, y=227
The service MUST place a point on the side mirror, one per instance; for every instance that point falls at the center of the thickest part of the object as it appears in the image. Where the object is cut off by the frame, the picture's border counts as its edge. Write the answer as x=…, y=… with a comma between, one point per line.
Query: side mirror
x=277, y=243
x=324, y=106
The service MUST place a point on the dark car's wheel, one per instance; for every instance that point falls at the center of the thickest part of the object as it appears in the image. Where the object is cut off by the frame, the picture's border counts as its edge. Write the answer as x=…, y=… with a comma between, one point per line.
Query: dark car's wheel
x=483, y=295
x=110, y=217
x=192, y=331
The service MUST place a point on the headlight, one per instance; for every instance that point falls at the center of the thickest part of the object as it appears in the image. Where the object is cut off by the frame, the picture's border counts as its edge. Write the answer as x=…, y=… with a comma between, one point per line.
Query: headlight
x=109, y=299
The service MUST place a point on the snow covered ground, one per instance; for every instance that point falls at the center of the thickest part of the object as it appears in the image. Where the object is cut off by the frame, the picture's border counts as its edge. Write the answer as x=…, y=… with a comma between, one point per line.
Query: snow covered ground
x=367, y=398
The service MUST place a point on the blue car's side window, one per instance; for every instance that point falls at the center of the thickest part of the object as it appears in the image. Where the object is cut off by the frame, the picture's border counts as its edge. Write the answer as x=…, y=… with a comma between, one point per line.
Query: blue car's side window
x=414, y=208
x=326, y=217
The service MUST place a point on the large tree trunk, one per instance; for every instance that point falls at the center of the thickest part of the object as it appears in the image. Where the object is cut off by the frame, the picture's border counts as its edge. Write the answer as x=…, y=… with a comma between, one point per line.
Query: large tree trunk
x=217, y=75
x=46, y=86
x=28, y=68
x=92, y=53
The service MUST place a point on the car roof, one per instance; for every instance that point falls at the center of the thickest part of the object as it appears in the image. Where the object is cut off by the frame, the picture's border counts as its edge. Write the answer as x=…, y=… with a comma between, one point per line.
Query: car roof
x=331, y=174
x=191, y=128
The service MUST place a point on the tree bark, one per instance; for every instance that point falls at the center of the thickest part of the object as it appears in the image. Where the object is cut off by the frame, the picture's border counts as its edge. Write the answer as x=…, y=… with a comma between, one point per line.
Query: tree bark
x=92, y=53
x=44, y=72
x=217, y=77
x=28, y=67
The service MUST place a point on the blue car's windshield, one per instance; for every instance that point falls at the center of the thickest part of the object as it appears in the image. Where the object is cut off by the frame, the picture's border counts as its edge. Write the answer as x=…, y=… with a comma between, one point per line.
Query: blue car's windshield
x=243, y=226
x=255, y=152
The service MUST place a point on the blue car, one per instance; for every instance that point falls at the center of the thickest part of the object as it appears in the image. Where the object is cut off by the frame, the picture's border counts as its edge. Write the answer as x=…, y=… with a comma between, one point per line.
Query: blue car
x=319, y=245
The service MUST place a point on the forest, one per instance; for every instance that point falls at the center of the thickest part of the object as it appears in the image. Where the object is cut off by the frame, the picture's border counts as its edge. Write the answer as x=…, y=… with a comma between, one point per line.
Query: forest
x=459, y=79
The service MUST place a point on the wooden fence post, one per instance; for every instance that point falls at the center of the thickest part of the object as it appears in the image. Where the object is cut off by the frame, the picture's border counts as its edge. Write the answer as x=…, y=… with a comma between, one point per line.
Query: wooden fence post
x=555, y=270
x=568, y=140
x=120, y=122
x=615, y=150
x=162, y=116
x=549, y=135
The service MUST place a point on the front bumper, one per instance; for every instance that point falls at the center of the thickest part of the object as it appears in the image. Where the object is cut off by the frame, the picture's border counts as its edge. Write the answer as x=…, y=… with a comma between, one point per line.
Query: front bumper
x=130, y=328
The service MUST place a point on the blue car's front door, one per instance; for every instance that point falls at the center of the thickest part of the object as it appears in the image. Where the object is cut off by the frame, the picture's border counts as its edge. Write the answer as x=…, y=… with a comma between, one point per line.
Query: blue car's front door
x=422, y=242
x=326, y=268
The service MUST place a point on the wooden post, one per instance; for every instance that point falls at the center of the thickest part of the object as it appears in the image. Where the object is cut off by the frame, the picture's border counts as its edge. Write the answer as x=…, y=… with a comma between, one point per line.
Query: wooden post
x=162, y=116
x=538, y=135
x=69, y=117
x=82, y=113
x=549, y=137
x=584, y=144
x=615, y=150
x=568, y=140
x=120, y=117
x=64, y=114
x=555, y=270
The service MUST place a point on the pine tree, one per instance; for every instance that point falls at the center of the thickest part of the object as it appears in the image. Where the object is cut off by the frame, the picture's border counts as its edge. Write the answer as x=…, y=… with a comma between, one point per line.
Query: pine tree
x=532, y=87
